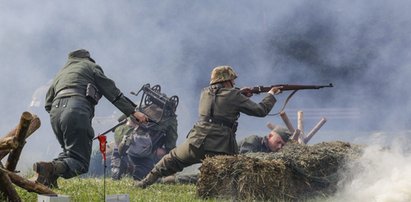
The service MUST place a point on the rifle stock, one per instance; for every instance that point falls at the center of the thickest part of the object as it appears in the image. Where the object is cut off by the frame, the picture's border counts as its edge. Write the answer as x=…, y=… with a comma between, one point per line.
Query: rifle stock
x=284, y=87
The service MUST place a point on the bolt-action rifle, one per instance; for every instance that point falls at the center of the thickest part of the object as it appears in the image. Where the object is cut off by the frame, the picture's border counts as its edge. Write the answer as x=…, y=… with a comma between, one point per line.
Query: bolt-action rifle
x=283, y=87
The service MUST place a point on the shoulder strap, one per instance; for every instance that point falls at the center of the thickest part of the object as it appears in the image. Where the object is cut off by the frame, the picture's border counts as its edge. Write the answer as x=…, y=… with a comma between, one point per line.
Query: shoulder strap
x=214, y=90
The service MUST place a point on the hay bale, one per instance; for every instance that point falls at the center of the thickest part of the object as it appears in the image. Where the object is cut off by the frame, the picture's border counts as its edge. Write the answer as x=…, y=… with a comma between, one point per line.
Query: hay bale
x=296, y=172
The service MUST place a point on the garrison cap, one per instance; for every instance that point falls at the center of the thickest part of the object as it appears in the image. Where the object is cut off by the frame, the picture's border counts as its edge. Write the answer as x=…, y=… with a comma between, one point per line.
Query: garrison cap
x=81, y=53
x=284, y=133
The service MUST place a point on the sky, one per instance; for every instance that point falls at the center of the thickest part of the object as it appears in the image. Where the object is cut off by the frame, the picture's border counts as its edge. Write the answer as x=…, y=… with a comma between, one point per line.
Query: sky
x=362, y=47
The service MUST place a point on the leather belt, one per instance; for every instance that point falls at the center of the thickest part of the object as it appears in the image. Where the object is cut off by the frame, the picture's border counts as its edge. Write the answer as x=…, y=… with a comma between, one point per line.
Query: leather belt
x=71, y=91
x=218, y=121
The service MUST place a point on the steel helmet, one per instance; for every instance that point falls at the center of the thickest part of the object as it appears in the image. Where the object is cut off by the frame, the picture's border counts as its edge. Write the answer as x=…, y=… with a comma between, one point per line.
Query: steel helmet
x=222, y=73
x=284, y=133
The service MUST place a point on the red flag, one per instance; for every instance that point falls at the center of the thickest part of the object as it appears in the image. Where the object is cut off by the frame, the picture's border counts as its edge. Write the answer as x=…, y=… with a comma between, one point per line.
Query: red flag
x=103, y=141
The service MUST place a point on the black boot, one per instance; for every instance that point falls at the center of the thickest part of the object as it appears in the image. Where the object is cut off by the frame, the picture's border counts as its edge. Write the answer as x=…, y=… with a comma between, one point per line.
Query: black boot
x=49, y=172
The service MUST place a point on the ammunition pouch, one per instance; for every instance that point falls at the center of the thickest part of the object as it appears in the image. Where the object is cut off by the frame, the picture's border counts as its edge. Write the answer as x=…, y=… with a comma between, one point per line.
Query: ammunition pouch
x=92, y=93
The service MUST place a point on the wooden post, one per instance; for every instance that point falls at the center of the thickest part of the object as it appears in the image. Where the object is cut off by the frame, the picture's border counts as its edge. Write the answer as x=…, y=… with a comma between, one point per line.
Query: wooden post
x=8, y=143
x=34, y=125
x=7, y=189
x=315, y=129
x=27, y=184
x=300, y=124
x=21, y=132
x=287, y=121
x=296, y=135
x=271, y=126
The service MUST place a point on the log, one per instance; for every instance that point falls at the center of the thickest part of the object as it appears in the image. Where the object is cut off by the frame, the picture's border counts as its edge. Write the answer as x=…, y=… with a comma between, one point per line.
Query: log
x=8, y=143
x=34, y=125
x=7, y=189
x=287, y=121
x=27, y=184
x=300, y=124
x=296, y=135
x=21, y=132
x=315, y=130
x=271, y=126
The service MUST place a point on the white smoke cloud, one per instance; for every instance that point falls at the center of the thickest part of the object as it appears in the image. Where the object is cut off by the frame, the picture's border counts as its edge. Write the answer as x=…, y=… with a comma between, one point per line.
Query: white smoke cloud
x=382, y=174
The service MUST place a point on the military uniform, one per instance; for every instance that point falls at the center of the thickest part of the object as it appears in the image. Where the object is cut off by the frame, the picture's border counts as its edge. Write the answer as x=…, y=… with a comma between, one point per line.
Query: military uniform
x=162, y=135
x=253, y=143
x=210, y=137
x=214, y=133
x=71, y=112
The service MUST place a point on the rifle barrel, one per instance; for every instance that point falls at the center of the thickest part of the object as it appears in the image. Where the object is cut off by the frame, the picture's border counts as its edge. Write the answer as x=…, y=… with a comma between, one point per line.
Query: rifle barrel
x=287, y=87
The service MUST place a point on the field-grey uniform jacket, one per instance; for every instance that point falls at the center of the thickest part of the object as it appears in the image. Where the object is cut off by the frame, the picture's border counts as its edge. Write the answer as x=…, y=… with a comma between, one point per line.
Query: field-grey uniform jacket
x=71, y=113
x=253, y=143
x=214, y=133
x=226, y=108
x=76, y=74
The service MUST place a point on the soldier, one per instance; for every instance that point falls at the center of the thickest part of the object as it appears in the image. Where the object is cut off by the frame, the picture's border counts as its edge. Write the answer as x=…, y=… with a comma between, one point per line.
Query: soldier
x=144, y=145
x=70, y=101
x=214, y=133
x=273, y=142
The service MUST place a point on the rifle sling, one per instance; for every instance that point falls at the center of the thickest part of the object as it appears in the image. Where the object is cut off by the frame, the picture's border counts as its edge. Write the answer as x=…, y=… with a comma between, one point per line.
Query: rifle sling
x=285, y=103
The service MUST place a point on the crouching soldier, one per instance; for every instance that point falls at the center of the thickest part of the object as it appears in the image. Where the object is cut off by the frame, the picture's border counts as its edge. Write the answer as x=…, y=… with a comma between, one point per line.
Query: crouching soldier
x=143, y=145
x=272, y=142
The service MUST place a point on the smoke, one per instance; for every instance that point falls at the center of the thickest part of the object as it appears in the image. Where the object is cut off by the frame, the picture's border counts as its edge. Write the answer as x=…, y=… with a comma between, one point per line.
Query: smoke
x=381, y=174
x=362, y=47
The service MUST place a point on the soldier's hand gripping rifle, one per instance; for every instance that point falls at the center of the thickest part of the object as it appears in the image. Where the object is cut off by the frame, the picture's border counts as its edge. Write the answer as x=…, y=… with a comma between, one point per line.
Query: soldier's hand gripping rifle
x=283, y=87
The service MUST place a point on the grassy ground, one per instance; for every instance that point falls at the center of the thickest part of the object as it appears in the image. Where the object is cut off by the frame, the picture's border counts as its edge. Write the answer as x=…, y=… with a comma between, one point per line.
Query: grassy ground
x=91, y=189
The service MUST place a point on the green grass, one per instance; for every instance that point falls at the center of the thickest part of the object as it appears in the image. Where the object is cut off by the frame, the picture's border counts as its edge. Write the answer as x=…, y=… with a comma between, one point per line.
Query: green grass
x=91, y=189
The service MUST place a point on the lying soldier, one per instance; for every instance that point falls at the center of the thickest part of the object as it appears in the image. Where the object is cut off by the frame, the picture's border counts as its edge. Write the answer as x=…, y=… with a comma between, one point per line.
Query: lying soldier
x=272, y=142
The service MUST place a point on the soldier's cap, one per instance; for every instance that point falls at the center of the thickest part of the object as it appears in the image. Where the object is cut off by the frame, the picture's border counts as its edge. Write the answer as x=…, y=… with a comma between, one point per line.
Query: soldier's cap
x=81, y=53
x=284, y=133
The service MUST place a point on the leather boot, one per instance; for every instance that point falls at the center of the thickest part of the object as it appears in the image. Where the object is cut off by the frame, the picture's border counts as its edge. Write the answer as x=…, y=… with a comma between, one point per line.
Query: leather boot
x=59, y=170
x=49, y=172
x=150, y=179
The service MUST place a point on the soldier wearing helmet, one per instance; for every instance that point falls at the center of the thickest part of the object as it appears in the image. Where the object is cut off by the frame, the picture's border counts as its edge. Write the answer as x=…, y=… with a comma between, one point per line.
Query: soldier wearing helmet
x=272, y=142
x=214, y=133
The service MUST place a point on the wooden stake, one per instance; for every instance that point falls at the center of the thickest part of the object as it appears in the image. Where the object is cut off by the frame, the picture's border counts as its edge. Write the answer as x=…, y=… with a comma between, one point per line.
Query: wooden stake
x=315, y=130
x=34, y=125
x=300, y=119
x=21, y=132
x=7, y=189
x=27, y=184
x=8, y=143
x=287, y=121
x=271, y=126
x=296, y=135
